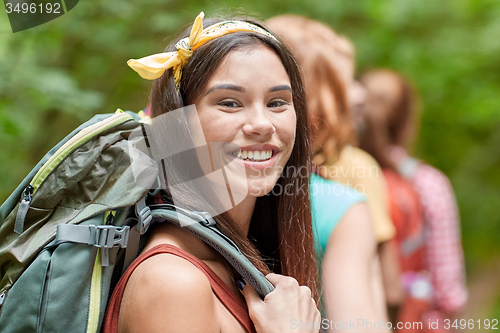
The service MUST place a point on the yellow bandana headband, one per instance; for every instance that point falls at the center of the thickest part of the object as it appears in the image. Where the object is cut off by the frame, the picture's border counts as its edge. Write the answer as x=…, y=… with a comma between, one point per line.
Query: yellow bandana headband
x=153, y=66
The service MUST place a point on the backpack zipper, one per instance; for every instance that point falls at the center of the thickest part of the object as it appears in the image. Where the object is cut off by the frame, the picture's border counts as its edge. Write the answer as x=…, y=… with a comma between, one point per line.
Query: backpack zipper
x=24, y=206
x=2, y=297
x=81, y=137
x=75, y=142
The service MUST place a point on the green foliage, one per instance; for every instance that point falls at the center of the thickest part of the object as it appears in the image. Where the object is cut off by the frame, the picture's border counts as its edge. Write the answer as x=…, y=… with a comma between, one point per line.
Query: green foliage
x=54, y=76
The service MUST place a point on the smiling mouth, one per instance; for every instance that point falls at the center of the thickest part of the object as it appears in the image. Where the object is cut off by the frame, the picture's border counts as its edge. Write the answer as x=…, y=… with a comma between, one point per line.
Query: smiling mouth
x=253, y=155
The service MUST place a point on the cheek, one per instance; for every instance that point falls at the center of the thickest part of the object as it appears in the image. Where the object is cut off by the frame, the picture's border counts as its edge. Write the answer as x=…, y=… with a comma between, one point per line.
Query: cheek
x=213, y=122
x=288, y=127
x=294, y=129
x=211, y=135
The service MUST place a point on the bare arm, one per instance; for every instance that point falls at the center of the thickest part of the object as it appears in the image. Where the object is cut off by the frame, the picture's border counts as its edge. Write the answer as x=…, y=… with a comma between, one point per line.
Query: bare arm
x=351, y=287
x=391, y=277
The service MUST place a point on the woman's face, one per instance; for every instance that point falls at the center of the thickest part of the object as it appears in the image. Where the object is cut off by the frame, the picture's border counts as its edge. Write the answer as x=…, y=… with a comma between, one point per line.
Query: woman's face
x=248, y=104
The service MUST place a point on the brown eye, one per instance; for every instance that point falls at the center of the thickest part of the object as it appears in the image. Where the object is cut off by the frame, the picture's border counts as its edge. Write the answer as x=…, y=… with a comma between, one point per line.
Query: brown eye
x=229, y=104
x=277, y=103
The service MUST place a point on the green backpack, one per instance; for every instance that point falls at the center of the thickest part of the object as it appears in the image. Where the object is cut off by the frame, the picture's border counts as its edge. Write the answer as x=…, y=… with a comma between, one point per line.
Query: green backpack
x=74, y=224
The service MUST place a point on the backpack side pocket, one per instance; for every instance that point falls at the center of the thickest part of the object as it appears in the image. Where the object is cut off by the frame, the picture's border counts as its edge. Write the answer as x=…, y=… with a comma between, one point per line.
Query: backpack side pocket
x=22, y=305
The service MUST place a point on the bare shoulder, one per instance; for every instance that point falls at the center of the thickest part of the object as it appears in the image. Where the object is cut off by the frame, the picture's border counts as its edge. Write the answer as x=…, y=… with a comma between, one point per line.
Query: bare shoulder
x=356, y=222
x=168, y=294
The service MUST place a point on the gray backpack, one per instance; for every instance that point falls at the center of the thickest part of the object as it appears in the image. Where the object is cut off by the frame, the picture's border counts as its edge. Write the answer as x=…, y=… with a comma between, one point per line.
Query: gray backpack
x=74, y=224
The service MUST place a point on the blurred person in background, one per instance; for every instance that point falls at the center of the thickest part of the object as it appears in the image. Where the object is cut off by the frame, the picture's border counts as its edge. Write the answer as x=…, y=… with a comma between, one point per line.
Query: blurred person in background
x=391, y=113
x=352, y=287
x=407, y=217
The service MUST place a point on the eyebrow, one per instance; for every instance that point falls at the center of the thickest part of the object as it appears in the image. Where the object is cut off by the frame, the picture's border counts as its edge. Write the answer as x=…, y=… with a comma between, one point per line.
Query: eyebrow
x=225, y=86
x=241, y=89
x=279, y=88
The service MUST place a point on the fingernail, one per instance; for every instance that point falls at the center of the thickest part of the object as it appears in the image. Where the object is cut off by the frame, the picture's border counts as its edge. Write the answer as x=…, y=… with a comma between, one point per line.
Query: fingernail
x=240, y=283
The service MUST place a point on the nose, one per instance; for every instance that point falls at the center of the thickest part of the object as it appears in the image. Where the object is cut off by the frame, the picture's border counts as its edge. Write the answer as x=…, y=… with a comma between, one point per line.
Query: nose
x=258, y=123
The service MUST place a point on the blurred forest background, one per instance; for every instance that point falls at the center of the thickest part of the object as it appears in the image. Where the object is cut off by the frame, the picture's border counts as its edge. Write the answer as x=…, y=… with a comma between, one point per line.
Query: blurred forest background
x=59, y=74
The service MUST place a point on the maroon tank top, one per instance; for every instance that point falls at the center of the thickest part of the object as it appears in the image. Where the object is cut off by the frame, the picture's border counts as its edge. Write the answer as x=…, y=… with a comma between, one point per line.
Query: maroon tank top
x=221, y=290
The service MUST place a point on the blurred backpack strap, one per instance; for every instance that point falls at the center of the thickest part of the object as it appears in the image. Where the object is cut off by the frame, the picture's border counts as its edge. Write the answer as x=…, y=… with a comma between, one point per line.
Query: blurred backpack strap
x=408, y=167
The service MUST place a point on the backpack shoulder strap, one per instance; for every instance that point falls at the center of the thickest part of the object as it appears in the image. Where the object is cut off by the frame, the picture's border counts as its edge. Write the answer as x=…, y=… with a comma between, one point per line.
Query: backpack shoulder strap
x=408, y=167
x=203, y=226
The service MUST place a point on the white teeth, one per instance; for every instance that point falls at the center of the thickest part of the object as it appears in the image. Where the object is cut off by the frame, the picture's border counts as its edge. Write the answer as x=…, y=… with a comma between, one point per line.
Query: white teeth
x=255, y=155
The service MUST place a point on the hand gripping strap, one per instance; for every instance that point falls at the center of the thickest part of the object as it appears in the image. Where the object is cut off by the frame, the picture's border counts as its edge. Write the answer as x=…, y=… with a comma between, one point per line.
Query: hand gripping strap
x=203, y=227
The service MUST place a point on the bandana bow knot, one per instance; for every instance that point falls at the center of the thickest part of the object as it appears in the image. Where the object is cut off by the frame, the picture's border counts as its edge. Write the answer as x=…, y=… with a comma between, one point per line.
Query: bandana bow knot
x=153, y=66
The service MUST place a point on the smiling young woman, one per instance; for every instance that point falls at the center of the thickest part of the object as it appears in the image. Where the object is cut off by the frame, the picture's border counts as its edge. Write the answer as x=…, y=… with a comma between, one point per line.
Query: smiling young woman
x=250, y=97
x=247, y=91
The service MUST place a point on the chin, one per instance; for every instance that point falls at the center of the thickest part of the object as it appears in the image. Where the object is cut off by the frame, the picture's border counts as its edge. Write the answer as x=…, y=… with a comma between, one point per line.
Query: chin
x=260, y=187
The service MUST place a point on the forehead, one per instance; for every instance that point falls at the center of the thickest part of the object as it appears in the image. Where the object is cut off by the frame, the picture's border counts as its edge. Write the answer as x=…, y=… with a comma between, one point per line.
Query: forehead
x=249, y=63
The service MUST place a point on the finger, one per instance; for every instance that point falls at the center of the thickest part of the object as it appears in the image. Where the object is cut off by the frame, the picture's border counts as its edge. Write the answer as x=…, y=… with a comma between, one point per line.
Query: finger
x=274, y=278
x=284, y=282
x=317, y=316
x=314, y=312
x=251, y=296
x=305, y=292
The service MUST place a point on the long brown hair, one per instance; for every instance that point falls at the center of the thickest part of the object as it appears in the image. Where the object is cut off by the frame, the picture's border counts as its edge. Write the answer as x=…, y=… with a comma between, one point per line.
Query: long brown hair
x=390, y=113
x=280, y=229
x=317, y=48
